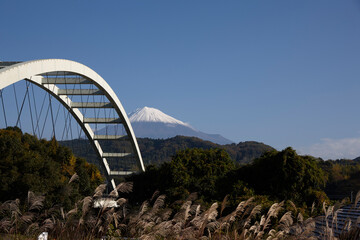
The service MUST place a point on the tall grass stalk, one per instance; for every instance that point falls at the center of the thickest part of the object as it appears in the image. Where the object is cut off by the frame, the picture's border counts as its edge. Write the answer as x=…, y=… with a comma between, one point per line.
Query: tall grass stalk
x=156, y=220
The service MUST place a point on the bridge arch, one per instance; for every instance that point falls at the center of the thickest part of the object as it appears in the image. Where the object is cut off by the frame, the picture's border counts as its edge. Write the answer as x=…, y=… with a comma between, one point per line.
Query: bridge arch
x=50, y=74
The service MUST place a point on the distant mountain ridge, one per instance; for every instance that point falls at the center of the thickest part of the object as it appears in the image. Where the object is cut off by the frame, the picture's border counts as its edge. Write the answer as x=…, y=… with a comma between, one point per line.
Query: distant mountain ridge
x=150, y=122
x=157, y=151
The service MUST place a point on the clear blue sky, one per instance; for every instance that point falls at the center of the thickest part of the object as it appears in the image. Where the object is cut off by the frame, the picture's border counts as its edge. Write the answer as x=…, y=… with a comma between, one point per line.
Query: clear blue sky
x=286, y=73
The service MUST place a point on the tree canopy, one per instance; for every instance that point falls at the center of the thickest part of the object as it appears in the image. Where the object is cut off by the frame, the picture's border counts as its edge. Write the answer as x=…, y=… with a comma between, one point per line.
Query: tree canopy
x=278, y=175
x=197, y=170
x=191, y=170
x=284, y=175
x=44, y=167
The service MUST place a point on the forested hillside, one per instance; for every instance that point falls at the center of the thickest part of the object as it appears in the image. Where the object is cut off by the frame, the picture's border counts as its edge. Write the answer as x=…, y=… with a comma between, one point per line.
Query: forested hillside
x=43, y=167
x=343, y=177
x=157, y=151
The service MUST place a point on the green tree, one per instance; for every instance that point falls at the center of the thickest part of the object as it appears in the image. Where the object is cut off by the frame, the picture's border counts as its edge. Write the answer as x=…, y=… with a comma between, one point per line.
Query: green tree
x=191, y=170
x=197, y=170
x=44, y=167
x=285, y=175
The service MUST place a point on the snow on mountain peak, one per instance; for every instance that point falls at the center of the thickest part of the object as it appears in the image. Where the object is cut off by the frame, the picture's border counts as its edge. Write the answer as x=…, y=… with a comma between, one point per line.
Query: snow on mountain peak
x=148, y=114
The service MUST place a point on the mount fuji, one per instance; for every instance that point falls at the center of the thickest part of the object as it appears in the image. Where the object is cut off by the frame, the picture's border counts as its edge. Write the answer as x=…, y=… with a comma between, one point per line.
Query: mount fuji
x=153, y=123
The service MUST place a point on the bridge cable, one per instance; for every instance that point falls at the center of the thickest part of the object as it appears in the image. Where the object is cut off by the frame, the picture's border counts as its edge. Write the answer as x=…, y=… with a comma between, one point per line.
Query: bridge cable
x=17, y=105
x=58, y=109
x=57, y=113
x=34, y=102
x=105, y=114
x=46, y=116
x=52, y=116
x=62, y=136
x=87, y=101
x=51, y=109
x=22, y=106
x=79, y=131
x=93, y=98
x=68, y=124
x=3, y=106
x=69, y=117
x=113, y=115
x=77, y=125
x=65, y=131
x=99, y=112
x=41, y=110
x=116, y=126
x=31, y=114
x=51, y=106
x=65, y=115
x=70, y=127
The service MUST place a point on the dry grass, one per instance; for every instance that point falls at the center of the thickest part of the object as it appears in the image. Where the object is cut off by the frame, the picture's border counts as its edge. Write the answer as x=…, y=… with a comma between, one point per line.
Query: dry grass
x=154, y=220
x=194, y=222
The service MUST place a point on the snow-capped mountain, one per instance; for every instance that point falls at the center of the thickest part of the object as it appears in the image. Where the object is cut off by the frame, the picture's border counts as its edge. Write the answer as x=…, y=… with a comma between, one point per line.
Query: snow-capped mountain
x=152, y=123
x=147, y=114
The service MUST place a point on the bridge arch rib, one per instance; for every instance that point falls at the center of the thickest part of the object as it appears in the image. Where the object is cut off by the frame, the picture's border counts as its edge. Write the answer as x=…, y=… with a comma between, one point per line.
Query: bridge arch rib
x=49, y=74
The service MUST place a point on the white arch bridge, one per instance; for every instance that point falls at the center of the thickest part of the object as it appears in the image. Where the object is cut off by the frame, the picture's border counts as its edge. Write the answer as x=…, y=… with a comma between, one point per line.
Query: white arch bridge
x=86, y=96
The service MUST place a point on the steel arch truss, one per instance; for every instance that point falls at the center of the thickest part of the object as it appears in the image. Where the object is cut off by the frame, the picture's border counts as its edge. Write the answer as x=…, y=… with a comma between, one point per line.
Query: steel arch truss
x=51, y=75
